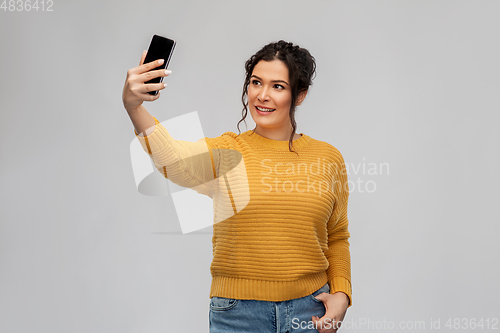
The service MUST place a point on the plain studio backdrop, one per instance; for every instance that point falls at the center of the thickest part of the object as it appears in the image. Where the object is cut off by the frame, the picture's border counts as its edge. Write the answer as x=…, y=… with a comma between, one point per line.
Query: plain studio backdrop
x=408, y=91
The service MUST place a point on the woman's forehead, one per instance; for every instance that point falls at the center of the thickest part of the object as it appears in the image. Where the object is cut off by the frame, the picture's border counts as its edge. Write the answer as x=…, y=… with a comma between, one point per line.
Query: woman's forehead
x=271, y=70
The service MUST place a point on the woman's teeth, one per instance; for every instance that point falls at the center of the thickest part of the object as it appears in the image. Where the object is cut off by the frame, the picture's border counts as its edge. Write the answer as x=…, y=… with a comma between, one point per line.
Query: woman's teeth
x=264, y=109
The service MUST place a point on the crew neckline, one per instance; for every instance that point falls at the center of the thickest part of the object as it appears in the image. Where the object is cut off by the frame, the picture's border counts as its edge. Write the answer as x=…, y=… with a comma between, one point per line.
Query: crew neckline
x=277, y=144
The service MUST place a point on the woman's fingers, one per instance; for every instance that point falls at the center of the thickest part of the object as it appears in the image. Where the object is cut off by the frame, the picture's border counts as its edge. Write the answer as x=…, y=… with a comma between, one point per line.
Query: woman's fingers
x=150, y=98
x=151, y=87
x=145, y=67
x=144, y=77
x=143, y=57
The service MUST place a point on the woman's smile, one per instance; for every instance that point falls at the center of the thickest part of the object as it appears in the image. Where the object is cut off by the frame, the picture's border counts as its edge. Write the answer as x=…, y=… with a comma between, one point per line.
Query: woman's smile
x=263, y=110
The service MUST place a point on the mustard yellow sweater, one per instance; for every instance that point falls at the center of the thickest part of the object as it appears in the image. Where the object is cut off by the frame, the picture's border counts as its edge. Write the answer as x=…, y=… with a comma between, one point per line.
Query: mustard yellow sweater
x=280, y=219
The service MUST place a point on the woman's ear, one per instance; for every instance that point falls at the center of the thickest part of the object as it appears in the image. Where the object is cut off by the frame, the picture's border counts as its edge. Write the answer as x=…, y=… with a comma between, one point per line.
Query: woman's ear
x=301, y=97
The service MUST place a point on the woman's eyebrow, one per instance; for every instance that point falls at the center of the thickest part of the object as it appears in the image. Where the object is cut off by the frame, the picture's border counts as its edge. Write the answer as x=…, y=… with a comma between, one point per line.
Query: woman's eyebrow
x=271, y=80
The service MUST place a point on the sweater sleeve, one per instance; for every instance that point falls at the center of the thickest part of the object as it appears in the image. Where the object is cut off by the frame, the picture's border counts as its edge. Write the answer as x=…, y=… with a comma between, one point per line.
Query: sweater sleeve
x=192, y=165
x=338, y=253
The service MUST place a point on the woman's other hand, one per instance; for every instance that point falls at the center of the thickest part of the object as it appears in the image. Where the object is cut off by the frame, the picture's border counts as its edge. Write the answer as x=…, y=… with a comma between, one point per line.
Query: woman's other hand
x=336, y=307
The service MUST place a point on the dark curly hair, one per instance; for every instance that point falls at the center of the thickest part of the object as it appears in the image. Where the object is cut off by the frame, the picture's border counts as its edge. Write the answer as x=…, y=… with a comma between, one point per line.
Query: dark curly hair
x=301, y=69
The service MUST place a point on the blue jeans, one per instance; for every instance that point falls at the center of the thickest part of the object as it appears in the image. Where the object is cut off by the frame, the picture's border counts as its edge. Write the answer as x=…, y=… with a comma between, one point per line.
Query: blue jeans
x=229, y=315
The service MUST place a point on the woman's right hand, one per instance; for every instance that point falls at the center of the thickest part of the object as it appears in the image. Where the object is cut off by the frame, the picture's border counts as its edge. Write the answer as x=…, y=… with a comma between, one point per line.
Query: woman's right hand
x=135, y=91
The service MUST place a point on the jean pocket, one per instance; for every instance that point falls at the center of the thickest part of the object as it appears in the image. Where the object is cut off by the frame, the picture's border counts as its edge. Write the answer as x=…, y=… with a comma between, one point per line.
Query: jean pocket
x=324, y=289
x=222, y=303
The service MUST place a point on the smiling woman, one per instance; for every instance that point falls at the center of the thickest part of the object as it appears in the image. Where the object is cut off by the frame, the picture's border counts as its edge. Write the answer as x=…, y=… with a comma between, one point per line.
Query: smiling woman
x=280, y=235
x=277, y=80
x=269, y=93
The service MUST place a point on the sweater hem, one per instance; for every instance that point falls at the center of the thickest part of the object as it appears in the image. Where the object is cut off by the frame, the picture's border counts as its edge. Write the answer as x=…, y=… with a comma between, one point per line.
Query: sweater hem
x=261, y=290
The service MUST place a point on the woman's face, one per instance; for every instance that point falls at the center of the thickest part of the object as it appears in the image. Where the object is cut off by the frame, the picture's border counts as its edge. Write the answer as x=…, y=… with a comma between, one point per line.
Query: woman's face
x=269, y=90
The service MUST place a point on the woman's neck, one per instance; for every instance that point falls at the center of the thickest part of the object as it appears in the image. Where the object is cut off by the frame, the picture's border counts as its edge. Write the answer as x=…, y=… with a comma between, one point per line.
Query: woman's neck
x=276, y=135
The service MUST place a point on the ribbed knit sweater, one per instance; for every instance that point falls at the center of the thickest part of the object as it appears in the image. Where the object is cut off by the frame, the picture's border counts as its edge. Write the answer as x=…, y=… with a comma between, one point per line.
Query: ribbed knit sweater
x=280, y=219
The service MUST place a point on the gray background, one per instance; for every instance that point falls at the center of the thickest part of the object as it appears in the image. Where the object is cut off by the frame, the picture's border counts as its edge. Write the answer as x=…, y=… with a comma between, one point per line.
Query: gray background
x=410, y=83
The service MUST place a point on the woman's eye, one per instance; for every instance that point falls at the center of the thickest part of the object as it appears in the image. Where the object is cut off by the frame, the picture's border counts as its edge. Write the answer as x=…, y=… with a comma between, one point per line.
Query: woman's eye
x=255, y=82
x=279, y=86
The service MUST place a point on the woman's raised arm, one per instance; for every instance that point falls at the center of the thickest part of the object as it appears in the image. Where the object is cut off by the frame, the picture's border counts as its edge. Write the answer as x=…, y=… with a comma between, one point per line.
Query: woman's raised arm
x=193, y=165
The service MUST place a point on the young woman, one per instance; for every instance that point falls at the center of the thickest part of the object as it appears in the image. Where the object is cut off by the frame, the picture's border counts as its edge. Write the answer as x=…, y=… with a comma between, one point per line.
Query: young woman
x=281, y=261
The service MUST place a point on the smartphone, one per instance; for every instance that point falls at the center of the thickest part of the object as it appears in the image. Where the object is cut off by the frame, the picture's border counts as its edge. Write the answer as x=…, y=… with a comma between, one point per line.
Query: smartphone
x=159, y=48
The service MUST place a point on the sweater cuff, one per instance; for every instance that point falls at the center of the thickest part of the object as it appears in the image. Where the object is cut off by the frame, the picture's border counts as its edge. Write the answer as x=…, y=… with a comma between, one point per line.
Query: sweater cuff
x=154, y=128
x=155, y=141
x=340, y=283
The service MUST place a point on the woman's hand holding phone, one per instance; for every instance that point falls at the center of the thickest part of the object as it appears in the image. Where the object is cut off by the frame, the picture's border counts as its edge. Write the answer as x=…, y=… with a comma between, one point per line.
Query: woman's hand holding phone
x=135, y=91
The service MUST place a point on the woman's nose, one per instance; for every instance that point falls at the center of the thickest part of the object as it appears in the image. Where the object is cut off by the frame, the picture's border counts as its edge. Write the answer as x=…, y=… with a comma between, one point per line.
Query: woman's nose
x=263, y=96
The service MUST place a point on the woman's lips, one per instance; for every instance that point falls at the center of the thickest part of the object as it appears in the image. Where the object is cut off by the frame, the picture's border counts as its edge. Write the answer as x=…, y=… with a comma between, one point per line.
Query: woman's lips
x=264, y=112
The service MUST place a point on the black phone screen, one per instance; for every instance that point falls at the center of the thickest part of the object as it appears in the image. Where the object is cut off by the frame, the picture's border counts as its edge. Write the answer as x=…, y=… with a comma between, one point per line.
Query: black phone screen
x=159, y=48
